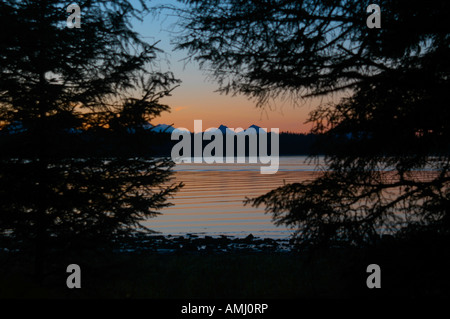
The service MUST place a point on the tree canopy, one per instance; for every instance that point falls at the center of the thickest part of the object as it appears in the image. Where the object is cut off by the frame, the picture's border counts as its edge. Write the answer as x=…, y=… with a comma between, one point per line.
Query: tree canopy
x=55, y=80
x=388, y=168
x=264, y=48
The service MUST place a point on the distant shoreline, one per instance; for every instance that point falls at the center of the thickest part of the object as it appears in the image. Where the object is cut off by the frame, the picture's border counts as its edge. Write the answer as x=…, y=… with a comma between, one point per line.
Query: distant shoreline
x=205, y=244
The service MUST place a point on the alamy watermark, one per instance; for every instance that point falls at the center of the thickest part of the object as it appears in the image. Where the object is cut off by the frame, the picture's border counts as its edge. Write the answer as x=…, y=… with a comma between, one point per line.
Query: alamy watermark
x=222, y=141
x=213, y=152
x=374, y=279
x=74, y=20
x=374, y=19
x=74, y=279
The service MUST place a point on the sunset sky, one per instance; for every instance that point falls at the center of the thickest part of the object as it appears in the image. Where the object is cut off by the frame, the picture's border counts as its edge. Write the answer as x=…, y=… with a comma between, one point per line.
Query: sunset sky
x=196, y=98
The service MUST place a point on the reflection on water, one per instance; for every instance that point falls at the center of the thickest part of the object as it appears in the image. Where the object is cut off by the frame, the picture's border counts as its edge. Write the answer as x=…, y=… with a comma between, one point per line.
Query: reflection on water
x=211, y=202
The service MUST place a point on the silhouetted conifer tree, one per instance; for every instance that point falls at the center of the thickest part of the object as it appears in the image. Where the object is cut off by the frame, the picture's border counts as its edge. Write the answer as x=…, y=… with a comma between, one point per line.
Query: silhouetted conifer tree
x=388, y=169
x=56, y=81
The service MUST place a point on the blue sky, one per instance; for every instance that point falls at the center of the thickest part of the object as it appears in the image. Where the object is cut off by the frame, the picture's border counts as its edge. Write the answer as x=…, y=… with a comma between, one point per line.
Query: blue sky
x=196, y=97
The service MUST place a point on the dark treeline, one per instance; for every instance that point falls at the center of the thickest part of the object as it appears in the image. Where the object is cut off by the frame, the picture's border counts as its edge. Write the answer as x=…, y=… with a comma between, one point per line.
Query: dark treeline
x=106, y=142
x=289, y=144
x=144, y=142
x=93, y=143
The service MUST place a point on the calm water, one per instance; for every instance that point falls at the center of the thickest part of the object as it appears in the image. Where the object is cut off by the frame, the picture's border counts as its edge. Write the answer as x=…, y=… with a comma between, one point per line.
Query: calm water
x=211, y=202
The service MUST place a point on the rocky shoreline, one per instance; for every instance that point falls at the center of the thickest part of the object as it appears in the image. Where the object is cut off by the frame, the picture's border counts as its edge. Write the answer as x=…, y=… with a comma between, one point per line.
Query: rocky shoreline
x=198, y=244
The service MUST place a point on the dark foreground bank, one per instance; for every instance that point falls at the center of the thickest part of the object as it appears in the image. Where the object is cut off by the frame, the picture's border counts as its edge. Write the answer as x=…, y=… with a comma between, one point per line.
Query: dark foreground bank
x=223, y=267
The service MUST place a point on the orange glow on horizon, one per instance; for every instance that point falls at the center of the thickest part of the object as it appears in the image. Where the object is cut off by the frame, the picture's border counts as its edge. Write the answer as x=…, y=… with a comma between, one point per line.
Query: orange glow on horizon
x=215, y=109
